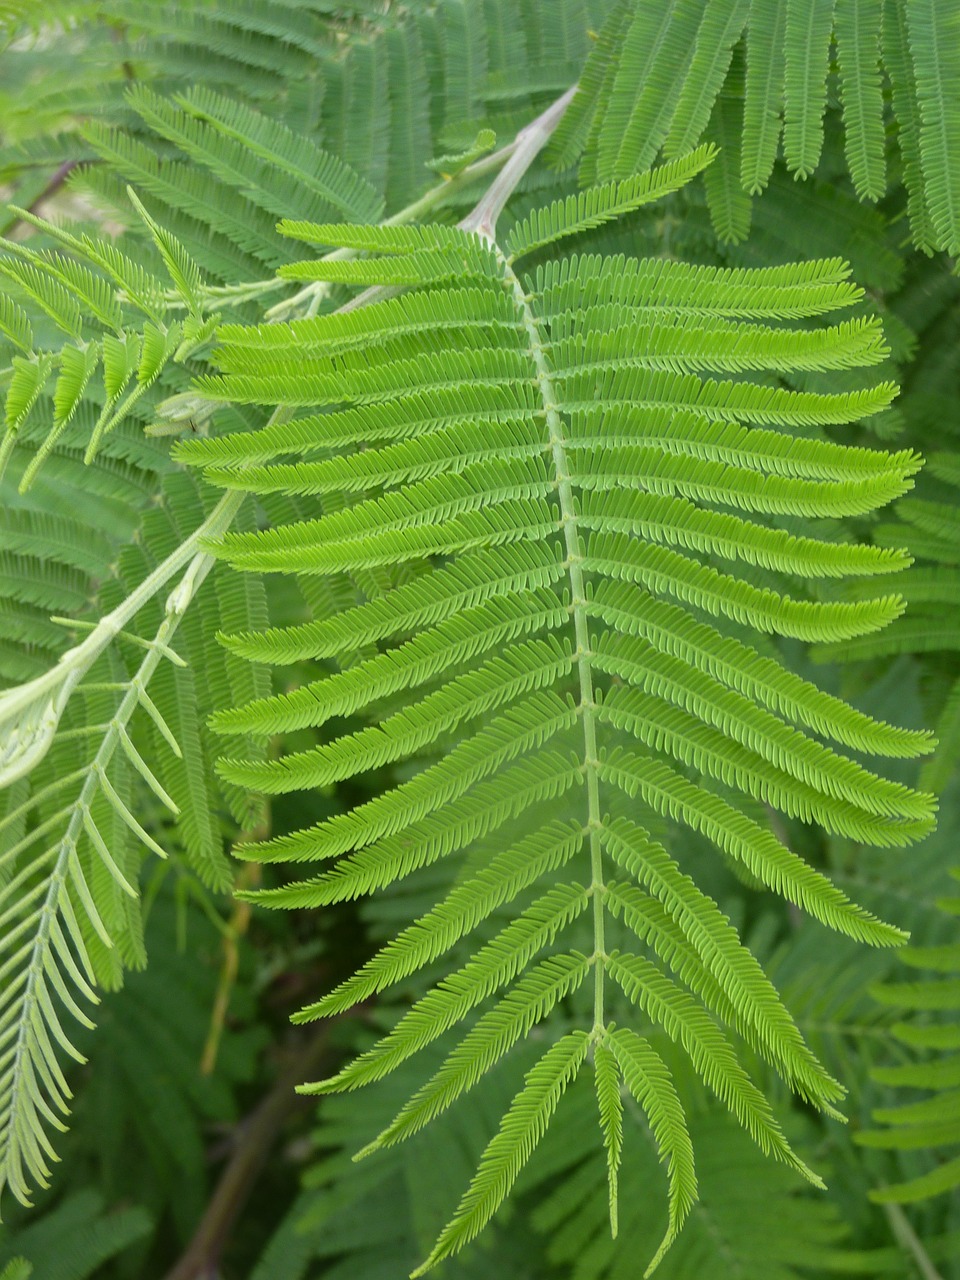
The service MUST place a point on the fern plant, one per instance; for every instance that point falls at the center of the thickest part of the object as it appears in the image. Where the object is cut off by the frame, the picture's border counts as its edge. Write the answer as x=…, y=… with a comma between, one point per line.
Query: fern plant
x=554, y=510
x=547, y=451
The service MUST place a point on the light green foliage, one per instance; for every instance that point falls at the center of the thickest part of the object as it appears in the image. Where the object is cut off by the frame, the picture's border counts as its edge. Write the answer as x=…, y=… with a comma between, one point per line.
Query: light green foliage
x=930, y=530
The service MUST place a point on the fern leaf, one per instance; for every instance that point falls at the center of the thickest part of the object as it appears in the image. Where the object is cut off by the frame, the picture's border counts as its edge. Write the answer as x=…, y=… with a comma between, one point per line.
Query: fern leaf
x=92, y=292
x=492, y=966
x=26, y=386
x=931, y=1123
x=597, y=205
x=428, y=266
x=138, y=285
x=520, y=669
x=794, y=290
x=527, y=727
x=464, y=907
x=672, y=573
x=233, y=235
x=730, y=206
x=720, y=29
x=934, y=34
x=528, y=1002
x=52, y=297
x=380, y=239
x=659, y=42
x=508, y=1152
x=744, y=984
x=459, y=586
x=763, y=92
x=660, y=70
x=903, y=86
x=184, y=272
x=295, y=157
x=806, y=47
x=387, y=858
x=67, y=860
x=669, y=793
x=813, y=763
x=559, y=468
x=606, y=1076
x=858, y=51
x=649, y=1081
x=121, y=356
x=15, y=325
x=689, y=1025
x=459, y=640
x=77, y=366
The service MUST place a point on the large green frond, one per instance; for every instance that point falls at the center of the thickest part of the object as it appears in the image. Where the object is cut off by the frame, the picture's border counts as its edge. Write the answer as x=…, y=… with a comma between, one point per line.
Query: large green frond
x=586, y=510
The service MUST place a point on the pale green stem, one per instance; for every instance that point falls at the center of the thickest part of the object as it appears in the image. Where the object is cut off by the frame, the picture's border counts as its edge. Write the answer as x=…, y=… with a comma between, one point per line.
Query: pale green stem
x=483, y=220
x=583, y=654
x=908, y=1238
x=512, y=162
x=30, y=713
x=80, y=819
x=527, y=145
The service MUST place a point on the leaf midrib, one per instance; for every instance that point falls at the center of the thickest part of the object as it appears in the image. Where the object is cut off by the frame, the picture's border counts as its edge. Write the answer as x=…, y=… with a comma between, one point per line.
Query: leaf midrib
x=538, y=343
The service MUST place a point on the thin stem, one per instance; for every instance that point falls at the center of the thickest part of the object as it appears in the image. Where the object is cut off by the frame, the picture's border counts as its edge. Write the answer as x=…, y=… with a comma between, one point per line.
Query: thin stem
x=483, y=220
x=28, y=736
x=510, y=163
x=255, y=1138
x=248, y=878
x=527, y=145
x=908, y=1238
x=574, y=562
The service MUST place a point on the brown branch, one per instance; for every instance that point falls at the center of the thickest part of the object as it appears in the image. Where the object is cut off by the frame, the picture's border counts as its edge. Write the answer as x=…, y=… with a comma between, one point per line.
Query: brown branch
x=254, y=1141
x=53, y=186
x=247, y=878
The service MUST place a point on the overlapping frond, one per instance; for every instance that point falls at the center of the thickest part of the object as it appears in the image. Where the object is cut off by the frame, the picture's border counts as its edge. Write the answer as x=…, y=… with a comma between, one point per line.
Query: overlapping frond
x=67, y=892
x=930, y=530
x=931, y=1123
x=95, y=748
x=120, y=335
x=659, y=71
x=798, y=1232
x=582, y=493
